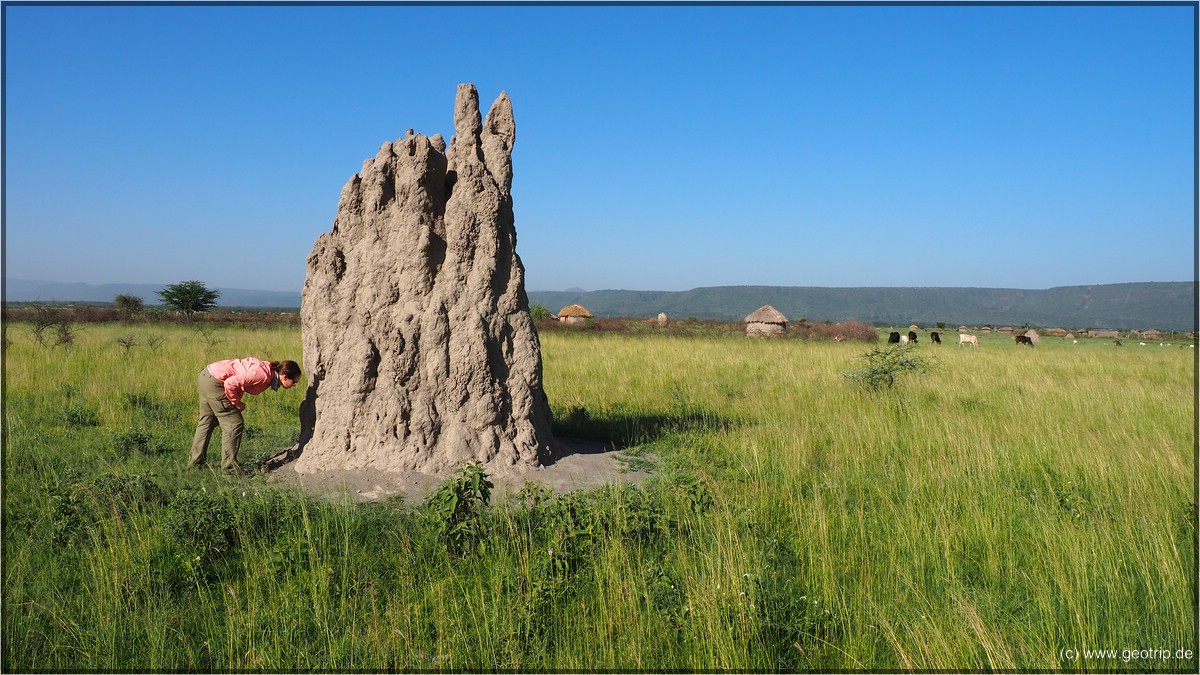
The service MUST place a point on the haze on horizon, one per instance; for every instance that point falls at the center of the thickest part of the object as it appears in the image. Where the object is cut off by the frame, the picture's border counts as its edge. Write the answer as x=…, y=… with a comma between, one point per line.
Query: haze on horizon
x=792, y=145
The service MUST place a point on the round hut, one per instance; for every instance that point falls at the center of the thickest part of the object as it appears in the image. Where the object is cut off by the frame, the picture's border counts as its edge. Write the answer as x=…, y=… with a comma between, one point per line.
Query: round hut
x=574, y=314
x=766, y=321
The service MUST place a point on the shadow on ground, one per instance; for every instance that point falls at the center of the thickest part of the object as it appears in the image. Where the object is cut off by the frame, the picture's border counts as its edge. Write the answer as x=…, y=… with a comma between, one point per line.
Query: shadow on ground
x=582, y=465
x=622, y=427
x=596, y=449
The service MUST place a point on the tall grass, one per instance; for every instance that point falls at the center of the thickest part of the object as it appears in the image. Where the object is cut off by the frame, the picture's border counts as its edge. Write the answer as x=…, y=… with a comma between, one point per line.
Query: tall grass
x=1007, y=506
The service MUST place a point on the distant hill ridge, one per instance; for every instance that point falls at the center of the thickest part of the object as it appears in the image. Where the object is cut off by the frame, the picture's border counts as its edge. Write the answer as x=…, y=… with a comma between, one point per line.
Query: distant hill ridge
x=1142, y=305
x=1169, y=305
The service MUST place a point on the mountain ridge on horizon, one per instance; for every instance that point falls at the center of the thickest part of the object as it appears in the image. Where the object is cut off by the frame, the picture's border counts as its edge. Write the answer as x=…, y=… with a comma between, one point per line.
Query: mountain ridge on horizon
x=1166, y=305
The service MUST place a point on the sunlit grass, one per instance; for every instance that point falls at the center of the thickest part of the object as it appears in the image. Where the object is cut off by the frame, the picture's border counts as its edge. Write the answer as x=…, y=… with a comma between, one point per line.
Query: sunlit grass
x=1009, y=504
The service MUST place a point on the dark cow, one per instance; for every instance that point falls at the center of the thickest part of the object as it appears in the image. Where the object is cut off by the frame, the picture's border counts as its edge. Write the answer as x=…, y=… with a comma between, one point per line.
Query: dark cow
x=935, y=338
x=893, y=338
x=1023, y=340
x=912, y=337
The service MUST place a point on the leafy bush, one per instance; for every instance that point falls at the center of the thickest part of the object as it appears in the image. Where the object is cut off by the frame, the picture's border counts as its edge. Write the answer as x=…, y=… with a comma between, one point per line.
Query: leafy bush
x=696, y=493
x=79, y=415
x=885, y=364
x=84, y=504
x=136, y=440
x=568, y=528
x=200, y=525
x=539, y=312
x=534, y=493
x=456, y=507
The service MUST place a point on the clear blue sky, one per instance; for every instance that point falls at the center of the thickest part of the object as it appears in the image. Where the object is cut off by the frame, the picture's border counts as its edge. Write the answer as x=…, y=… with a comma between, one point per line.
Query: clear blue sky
x=658, y=147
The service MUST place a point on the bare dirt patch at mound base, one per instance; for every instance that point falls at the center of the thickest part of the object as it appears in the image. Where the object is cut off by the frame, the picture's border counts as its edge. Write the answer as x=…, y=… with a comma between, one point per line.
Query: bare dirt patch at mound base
x=585, y=465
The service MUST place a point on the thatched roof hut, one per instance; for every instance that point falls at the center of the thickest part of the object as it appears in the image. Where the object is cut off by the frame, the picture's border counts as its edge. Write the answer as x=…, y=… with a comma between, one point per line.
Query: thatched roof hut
x=766, y=321
x=573, y=314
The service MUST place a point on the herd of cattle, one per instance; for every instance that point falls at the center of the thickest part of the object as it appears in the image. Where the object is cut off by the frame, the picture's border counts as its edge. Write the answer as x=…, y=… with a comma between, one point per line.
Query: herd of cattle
x=963, y=339
x=897, y=338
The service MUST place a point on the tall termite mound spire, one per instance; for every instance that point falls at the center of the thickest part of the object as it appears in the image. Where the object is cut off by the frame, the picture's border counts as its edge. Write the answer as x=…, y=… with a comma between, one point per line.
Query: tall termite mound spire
x=418, y=344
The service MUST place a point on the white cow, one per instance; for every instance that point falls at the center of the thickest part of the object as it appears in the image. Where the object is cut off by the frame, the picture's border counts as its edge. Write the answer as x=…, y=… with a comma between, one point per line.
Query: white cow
x=964, y=339
x=903, y=339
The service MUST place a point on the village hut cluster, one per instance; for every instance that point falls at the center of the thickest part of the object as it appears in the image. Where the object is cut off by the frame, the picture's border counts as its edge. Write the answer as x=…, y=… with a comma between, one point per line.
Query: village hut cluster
x=766, y=321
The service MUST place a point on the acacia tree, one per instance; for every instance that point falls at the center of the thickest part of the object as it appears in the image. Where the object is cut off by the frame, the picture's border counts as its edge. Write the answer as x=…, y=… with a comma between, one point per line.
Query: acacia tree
x=189, y=297
x=130, y=305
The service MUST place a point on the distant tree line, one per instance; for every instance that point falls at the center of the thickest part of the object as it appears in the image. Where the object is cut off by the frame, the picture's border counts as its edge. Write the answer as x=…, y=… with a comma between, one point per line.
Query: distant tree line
x=81, y=313
x=185, y=302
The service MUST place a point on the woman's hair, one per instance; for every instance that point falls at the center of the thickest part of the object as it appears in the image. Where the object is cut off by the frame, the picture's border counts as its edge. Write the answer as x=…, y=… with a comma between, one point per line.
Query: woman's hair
x=289, y=368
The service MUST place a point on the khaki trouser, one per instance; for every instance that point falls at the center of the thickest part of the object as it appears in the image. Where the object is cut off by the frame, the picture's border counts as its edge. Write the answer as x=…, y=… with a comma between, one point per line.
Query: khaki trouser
x=215, y=409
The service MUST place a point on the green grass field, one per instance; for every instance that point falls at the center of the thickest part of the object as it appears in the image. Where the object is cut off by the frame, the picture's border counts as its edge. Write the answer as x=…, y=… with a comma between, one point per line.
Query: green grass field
x=1007, y=510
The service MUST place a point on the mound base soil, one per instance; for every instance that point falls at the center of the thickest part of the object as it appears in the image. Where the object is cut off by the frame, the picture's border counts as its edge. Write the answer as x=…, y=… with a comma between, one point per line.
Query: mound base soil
x=584, y=465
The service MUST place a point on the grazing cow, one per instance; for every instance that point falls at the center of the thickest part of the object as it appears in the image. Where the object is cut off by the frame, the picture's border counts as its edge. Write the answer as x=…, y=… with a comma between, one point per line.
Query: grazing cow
x=964, y=339
x=893, y=338
x=912, y=337
x=1023, y=340
x=903, y=339
x=935, y=338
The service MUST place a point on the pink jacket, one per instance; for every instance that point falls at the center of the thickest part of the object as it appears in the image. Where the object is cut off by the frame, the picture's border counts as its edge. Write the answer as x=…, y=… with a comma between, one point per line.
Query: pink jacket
x=242, y=376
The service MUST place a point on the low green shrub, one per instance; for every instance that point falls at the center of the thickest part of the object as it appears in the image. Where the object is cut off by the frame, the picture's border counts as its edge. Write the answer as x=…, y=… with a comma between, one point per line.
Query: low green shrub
x=885, y=364
x=137, y=441
x=200, y=525
x=83, y=505
x=456, y=507
x=80, y=415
